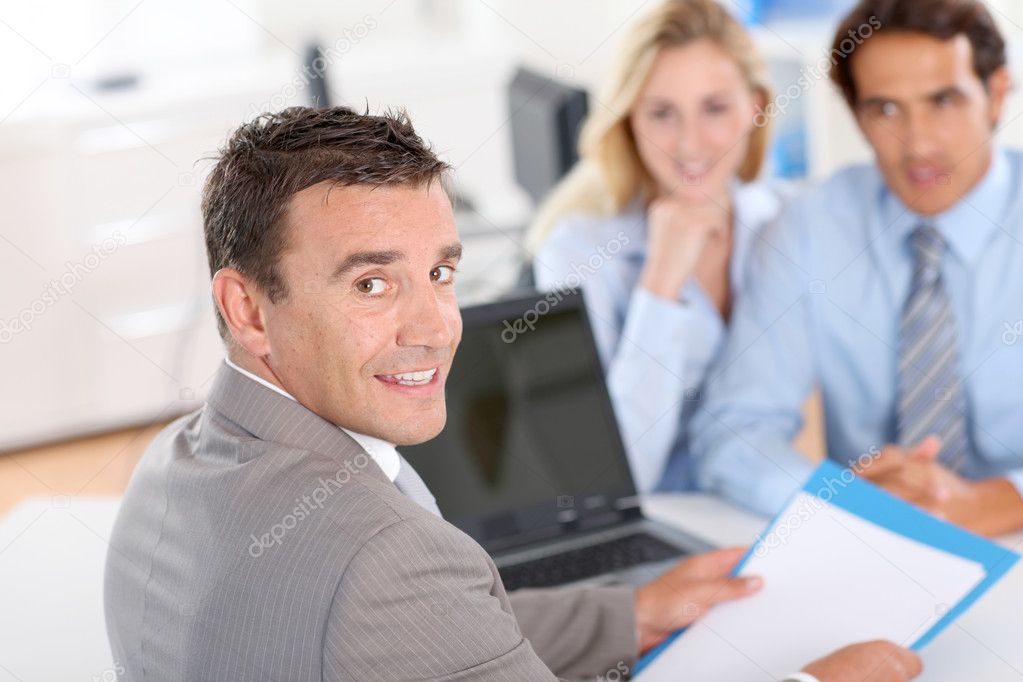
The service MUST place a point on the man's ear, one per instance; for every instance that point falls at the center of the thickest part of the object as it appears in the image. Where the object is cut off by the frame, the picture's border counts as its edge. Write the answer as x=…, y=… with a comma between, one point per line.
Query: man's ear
x=999, y=83
x=241, y=306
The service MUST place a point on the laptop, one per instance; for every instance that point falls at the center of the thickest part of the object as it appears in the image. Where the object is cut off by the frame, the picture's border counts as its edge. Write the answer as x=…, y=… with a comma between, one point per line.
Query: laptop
x=530, y=463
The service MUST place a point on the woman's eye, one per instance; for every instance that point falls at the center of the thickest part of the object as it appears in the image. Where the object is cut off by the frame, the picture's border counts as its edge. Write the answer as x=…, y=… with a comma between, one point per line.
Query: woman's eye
x=661, y=114
x=371, y=285
x=442, y=273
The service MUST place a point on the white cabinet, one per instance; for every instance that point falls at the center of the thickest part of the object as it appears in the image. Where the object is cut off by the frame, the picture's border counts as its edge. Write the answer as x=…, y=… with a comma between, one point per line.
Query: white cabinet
x=105, y=312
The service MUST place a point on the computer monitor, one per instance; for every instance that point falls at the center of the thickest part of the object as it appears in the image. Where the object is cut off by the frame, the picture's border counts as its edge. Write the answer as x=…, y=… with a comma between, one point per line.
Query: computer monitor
x=531, y=449
x=546, y=116
x=315, y=68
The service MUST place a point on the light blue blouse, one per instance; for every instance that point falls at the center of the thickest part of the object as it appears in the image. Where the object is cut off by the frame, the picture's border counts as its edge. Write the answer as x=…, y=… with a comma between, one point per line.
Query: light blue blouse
x=657, y=354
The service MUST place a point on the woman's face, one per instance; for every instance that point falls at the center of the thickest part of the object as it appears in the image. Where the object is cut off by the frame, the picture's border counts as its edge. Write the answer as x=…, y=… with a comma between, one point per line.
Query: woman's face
x=693, y=119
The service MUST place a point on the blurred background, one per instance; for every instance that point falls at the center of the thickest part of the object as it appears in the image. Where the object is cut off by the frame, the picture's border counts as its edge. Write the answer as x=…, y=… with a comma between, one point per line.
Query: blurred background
x=109, y=111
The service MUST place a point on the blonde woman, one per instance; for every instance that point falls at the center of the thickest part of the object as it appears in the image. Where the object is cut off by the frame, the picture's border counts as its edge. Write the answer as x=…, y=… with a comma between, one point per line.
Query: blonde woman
x=657, y=217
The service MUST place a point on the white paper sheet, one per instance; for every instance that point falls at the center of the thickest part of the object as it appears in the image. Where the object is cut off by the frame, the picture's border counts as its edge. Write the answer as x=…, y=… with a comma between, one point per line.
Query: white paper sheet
x=830, y=579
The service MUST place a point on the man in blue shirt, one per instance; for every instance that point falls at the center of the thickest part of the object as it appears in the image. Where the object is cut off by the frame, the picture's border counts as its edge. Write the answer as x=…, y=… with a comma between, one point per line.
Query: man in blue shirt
x=894, y=287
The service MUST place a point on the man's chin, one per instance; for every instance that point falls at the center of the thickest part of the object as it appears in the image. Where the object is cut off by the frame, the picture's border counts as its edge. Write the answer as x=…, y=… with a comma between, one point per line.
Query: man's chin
x=415, y=429
x=931, y=203
x=418, y=435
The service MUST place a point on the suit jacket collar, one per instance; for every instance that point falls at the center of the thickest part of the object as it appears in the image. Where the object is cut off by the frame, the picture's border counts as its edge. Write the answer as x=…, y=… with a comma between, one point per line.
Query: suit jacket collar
x=271, y=416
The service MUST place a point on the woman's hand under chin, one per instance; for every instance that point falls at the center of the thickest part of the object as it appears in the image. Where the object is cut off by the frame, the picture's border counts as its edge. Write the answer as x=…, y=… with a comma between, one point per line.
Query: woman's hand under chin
x=678, y=232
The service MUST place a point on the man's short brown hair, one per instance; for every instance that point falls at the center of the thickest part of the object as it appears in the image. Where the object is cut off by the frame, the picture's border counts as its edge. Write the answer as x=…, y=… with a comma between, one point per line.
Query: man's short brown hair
x=268, y=160
x=941, y=19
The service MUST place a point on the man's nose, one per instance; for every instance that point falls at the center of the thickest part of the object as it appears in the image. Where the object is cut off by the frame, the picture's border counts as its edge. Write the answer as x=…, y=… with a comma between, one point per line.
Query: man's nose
x=922, y=139
x=427, y=319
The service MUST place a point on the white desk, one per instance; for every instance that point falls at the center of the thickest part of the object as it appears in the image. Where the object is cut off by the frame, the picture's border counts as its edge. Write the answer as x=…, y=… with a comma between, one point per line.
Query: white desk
x=51, y=568
x=984, y=645
x=51, y=590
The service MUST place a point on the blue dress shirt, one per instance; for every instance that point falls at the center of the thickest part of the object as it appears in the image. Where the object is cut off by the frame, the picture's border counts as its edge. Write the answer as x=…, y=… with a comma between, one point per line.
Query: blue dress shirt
x=822, y=306
x=656, y=353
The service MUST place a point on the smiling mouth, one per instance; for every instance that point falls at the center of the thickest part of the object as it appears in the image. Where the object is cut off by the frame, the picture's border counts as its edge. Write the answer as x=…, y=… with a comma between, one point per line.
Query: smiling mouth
x=691, y=173
x=927, y=175
x=692, y=168
x=418, y=378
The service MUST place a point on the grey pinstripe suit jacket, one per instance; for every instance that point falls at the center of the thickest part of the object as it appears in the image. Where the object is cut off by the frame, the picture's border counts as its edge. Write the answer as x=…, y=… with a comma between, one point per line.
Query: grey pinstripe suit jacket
x=257, y=541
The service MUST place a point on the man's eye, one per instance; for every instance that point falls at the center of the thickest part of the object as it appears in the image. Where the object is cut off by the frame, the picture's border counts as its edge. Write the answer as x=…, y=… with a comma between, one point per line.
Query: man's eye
x=442, y=273
x=371, y=285
x=888, y=109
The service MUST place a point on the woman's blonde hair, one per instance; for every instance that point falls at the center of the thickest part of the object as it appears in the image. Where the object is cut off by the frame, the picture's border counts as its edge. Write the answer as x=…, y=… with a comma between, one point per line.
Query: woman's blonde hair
x=610, y=174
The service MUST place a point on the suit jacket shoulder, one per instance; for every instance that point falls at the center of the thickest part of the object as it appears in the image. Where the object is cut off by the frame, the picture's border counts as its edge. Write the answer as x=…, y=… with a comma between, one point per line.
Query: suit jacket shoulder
x=253, y=532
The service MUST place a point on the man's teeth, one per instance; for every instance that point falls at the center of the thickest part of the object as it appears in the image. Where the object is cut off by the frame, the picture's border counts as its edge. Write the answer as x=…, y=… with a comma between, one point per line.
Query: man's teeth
x=413, y=378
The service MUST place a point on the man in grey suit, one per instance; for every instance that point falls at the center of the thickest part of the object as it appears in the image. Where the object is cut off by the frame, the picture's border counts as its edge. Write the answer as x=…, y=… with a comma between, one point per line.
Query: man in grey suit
x=277, y=534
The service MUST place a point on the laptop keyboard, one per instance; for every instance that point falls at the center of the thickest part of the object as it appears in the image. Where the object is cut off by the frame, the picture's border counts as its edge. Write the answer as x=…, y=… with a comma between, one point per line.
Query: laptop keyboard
x=587, y=562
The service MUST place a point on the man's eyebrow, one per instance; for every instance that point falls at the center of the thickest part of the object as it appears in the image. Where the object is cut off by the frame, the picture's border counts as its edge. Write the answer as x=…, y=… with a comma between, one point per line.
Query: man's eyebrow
x=947, y=91
x=875, y=101
x=361, y=258
x=451, y=252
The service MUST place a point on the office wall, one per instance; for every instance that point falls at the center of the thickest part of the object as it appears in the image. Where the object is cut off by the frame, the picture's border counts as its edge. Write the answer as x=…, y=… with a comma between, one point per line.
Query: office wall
x=105, y=317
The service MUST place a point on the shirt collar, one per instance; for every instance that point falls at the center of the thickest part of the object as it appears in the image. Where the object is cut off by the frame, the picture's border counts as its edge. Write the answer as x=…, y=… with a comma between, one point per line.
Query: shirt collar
x=634, y=224
x=966, y=226
x=382, y=452
x=754, y=204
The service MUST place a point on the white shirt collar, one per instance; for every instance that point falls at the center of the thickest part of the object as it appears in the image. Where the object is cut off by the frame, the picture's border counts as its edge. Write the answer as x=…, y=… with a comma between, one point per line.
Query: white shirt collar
x=382, y=452
x=259, y=380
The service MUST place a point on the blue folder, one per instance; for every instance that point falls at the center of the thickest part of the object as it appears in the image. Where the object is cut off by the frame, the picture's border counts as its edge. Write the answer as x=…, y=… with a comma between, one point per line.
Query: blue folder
x=862, y=498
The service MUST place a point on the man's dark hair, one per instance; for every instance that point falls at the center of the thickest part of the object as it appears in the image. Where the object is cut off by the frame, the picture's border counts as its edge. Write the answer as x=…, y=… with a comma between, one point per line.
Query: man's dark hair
x=268, y=160
x=941, y=19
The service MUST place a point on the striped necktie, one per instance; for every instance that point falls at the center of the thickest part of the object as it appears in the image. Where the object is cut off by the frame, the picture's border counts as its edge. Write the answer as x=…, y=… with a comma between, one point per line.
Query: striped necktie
x=412, y=486
x=931, y=399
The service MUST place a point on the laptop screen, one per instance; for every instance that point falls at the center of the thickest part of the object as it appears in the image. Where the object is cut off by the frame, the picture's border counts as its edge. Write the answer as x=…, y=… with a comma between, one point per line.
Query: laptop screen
x=530, y=450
